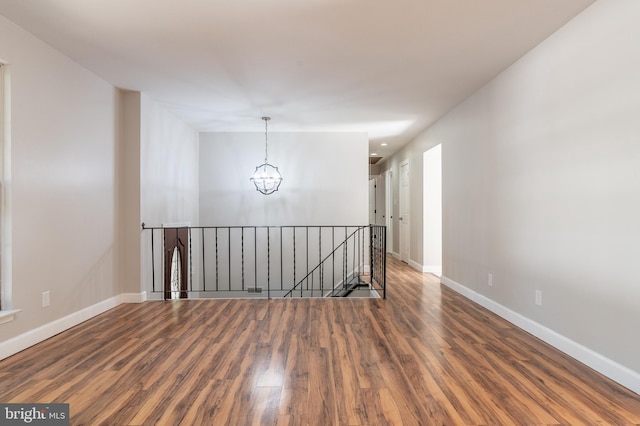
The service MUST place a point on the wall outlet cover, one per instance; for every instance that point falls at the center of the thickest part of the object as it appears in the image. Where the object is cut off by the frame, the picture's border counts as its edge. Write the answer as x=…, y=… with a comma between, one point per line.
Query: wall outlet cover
x=538, y=298
x=46, y=299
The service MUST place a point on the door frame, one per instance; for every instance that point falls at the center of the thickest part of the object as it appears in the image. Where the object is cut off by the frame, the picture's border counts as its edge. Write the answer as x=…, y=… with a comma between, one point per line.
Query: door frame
x=388, y=187
x=176, y=238
x=432, y=210
x=373, y=213
x=406, y=221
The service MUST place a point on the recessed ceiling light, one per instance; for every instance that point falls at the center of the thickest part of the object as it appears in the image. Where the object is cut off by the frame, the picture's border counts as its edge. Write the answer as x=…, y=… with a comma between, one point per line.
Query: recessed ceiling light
x=374, y=153
x=383, y=144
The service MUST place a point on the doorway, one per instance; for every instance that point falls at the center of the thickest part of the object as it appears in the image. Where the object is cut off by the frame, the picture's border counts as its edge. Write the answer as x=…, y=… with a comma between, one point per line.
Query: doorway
x=432, y=210
x=388, y=187
x=404, y=219
x=176, y=242
x=372, y=201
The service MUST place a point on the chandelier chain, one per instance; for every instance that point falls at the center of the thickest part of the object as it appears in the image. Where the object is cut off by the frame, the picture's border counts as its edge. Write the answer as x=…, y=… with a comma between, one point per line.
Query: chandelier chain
x=266, y=138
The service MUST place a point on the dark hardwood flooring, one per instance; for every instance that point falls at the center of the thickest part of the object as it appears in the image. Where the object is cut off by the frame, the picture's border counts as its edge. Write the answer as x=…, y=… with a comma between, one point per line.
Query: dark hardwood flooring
x=424, y=356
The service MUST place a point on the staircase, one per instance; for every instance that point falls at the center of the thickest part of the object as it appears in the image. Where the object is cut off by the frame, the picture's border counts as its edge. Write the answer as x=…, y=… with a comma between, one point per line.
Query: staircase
x=354, y=280
x=357, y=287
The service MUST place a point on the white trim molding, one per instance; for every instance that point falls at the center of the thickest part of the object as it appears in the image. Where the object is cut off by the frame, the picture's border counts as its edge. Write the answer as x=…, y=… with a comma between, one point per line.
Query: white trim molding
x=616, y=372
x=8, y=315
x=433, y=269
x=133, y=297
x=176, y=225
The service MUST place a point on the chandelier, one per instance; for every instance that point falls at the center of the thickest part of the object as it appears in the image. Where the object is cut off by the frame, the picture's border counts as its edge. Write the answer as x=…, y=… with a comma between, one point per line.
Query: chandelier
x=266, y=178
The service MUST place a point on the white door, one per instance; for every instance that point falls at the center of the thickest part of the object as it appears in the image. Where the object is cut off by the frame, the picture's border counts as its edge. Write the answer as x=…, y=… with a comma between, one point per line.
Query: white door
x=372, y=202
x=404, y=219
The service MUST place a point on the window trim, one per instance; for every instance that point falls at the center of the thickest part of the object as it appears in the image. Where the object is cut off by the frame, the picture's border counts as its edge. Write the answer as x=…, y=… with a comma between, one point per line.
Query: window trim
x=7, y=311
x=8, y=315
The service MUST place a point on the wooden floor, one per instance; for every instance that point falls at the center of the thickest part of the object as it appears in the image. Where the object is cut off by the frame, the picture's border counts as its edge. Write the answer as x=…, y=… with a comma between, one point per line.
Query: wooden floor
x=424, y=356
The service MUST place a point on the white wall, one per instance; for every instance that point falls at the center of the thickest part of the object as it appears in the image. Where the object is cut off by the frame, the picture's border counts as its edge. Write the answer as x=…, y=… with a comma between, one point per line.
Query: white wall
x=63, y=141
x=169, y=185
x=128, y=182
x=541, y=188
x=325, y=179
x=169, y=167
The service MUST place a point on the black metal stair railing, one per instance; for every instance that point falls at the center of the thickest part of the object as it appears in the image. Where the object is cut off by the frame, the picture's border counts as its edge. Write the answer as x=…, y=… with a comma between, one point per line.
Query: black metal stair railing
x=264, y=261
x=356, y=276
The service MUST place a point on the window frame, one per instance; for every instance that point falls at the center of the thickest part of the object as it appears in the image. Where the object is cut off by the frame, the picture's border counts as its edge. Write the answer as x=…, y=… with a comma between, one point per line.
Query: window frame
x=7, y=311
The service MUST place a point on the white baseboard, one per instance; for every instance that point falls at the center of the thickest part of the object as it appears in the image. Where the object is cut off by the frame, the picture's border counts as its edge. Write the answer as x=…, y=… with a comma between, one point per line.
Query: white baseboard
x=133, y=297
x=37, y=335
x=433, y=269
x=415, y=265
x=616, y=372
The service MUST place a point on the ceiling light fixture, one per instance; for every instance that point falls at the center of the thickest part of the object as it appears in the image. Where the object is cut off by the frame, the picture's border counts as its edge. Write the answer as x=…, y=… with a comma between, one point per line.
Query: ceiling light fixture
x=266, y=178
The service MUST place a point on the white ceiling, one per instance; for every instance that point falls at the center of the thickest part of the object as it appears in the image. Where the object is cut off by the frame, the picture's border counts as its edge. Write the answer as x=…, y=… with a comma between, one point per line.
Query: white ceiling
x=389, y=68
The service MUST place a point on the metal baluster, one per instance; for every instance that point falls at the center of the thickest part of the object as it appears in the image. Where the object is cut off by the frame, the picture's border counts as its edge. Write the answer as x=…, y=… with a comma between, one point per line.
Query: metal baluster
x=358, y=262
x=153, y=266
x=294, y=261
x=281, y=263
x=320, y=256
x=354, y=257
x=372, y=262
x=190, y=278
x=345, y=266
x=204, y=275
x=268, y=264
x=307, y=255
x=333, y=258
x=217, y=262
x=384, y=265
x=363, y=230
x=242, y=248
x=312, y=272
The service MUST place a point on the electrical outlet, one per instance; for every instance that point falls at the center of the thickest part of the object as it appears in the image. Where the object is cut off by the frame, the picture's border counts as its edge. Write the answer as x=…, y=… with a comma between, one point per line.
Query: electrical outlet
x=490, y=280
x=46, y=299
x=538, y=298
